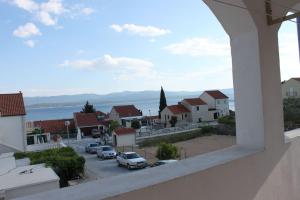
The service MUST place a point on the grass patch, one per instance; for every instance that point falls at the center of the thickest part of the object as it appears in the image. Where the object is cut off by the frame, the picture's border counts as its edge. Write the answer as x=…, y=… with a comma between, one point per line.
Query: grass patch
x=64, y=161
x=176, y=137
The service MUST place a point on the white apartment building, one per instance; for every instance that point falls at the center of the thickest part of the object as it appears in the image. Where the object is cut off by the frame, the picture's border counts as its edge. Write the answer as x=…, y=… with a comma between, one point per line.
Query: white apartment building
x=217, y=102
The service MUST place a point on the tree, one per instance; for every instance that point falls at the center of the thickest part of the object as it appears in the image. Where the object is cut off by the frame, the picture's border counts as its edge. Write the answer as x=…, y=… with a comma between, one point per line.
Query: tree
x=162, y=101
x=88, y=108
x=291, y=109
x=167, y=151
x=113, y=125
x=135, y=124
x=173, y=121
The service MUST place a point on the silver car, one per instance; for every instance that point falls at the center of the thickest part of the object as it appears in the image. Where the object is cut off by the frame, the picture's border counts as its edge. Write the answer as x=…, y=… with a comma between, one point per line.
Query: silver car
x=131, y=160
x=105, y=152
x=92, y=148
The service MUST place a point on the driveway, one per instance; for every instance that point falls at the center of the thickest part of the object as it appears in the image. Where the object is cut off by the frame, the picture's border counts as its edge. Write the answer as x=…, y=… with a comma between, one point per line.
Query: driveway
x=95, y=167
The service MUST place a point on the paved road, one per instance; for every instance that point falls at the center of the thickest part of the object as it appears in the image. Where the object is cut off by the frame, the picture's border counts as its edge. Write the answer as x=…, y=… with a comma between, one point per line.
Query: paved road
x=97, y=168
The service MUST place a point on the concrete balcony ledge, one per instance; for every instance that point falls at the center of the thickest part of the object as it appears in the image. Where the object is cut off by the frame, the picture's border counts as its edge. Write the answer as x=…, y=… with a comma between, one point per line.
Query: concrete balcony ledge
x=113, y=186
x=291, y=135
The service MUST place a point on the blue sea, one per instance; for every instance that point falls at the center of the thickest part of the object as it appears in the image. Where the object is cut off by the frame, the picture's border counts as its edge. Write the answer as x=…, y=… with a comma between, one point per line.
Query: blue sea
x=148, y=107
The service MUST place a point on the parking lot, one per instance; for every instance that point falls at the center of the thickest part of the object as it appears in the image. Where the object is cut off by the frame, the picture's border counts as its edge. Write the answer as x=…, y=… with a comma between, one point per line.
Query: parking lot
x=97, y=168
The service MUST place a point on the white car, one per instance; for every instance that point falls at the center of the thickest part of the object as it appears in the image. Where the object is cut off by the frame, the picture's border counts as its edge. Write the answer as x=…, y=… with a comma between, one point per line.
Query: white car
x=106, y=152
x=131, y=160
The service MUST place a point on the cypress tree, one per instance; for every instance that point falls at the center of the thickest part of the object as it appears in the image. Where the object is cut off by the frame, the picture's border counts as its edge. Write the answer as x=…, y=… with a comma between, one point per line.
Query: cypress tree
x=162, y=101
x=88, y=108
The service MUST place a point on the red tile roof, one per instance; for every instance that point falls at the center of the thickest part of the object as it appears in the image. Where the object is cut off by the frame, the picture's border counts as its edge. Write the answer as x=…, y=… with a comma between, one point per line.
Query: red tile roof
x=124, y=131
x=195, y=101
x=178, y=109
x=54, y=126
x=12, y=105
x=216, y=94
x=90, y=119
x=127, y=111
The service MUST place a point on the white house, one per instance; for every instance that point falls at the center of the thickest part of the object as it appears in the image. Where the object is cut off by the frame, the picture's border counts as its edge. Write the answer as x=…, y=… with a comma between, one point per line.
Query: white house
x=125, y=114
x=198, y=110
x=12, y=121
x=179, y=111
x=291, y=88
x=18, y=179
x=124, y=137
x=217, y=102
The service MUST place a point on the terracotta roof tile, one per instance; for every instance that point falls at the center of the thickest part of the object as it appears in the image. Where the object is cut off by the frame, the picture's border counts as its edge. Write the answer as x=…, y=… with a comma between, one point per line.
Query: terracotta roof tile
x=124, y=131
x=54, y=126
x=216, y=94
x=90, y=119
x=12, y=105
x=127, y=111
x=178, y=109
x=195, y=101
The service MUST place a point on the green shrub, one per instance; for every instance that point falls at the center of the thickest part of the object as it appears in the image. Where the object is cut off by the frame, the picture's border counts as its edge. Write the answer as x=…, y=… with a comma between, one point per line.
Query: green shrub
x=188, y=135
x=167, y=151
x=208, y=130
x=228, y=120
x=64, y=161
x=135, y=124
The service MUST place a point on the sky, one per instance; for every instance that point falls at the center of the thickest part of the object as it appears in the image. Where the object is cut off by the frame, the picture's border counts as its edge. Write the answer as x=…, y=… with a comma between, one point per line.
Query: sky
x=57, y=47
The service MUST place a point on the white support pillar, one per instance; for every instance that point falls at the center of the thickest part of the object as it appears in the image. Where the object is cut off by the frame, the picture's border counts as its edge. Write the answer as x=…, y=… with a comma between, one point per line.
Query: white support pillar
x=256, y=72
x=79, y=134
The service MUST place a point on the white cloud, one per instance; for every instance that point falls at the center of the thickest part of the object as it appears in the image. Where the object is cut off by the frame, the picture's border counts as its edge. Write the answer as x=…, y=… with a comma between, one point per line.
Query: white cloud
x=124, y=68
x=27, y=5
x=143, y=31
x=53, y=6
x=26, y=31
x=87, y=11
x=30, y=43
x=46, y=18
x=199, y=47
x=48, y=12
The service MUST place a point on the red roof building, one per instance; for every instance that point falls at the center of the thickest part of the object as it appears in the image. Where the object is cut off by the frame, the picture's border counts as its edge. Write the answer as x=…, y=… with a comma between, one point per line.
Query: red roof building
x=12, y=105
x=195, y=101
x=87, y=122
x=178, y=109
x=54, y=126
x=124, y=131
x=216, y=94
x=127, y=111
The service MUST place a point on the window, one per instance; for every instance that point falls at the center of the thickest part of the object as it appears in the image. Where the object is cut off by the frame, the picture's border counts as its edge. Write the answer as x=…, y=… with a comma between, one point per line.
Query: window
x=198, y=108
x=185, y=115
x=182, y=116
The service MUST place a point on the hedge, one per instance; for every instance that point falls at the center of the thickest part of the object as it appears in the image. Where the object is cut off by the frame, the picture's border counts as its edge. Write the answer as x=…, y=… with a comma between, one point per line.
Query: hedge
x=64, y=161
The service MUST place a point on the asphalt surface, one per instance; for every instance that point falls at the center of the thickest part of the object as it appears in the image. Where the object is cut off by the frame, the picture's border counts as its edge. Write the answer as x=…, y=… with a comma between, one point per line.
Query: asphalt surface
x=97, y=168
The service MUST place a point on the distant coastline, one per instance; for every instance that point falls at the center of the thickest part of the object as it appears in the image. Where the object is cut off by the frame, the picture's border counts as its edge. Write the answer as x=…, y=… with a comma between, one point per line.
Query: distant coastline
x=61, y=107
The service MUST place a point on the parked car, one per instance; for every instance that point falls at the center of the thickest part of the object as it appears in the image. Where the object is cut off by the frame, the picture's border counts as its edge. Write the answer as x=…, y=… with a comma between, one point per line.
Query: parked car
x=163, y=162
x=92, y=147
x=131, y=160
x=95, y=133
x=106, y=152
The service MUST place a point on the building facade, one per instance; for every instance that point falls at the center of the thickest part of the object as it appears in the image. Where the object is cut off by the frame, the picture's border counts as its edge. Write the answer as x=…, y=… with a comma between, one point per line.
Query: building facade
x=218, y=103
x=12, y=121
x=125, y=114
x=291, y=88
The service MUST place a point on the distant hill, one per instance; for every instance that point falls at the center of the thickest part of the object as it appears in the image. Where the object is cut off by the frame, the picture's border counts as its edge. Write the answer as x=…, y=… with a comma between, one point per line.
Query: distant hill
x=119, y=97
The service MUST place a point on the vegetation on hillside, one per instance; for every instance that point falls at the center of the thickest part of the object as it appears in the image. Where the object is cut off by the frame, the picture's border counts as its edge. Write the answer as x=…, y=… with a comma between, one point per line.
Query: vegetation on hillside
x=64, y=161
